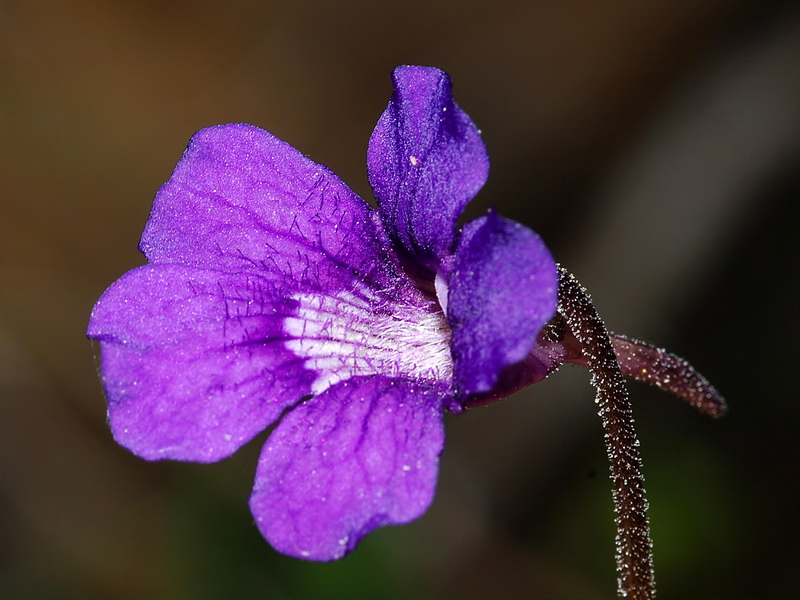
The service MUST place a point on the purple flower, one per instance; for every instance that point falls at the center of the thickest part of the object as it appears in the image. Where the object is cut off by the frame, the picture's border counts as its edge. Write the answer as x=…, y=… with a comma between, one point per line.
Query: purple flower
x=270, y=286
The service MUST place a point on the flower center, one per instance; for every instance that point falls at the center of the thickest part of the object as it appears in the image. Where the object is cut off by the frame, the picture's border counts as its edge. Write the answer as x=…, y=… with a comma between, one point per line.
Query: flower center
x=343, y=335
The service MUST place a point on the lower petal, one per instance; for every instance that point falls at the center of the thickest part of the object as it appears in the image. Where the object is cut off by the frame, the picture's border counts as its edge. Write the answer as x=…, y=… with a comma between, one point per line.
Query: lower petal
x=362, y=455
x=194, y=361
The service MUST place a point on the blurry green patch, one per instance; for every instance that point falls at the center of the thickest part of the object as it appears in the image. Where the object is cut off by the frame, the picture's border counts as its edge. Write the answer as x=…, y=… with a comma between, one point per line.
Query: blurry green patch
x=582, y=525
x=693, y=515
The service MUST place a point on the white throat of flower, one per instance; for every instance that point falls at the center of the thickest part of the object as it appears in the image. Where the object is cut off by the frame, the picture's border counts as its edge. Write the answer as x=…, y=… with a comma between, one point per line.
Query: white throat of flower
x=343, y=335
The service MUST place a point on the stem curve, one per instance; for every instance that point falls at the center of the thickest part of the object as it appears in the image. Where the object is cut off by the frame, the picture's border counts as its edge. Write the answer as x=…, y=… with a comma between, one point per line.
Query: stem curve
x=634, y=554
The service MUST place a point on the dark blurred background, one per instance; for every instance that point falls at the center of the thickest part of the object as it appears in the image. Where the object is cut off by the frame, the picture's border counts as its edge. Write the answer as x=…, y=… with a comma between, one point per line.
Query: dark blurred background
x=654, y=145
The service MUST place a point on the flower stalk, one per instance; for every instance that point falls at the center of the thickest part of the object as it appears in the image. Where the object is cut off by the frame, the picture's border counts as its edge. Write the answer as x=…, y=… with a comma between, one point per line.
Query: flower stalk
x=633, y=544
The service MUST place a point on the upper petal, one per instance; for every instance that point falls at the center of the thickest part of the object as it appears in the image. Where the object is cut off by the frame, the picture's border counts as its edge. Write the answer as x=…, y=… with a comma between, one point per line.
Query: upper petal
x=242, y=200
x=426, y=160
x=361, y=455
x=502, y=291
x=194, y=361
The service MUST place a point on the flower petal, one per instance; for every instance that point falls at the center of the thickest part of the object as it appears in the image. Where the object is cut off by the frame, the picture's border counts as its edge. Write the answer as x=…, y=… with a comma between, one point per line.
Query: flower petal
x=502, y=291
x=361, y=455
x=426, y=160
x=194, y=361
x=242, y=200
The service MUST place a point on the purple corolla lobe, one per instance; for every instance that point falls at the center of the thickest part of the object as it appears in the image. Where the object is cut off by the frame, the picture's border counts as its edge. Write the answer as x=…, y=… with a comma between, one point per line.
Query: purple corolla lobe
x=271, y=287
x=362, y=454
x=426, y=161
x=502, y=281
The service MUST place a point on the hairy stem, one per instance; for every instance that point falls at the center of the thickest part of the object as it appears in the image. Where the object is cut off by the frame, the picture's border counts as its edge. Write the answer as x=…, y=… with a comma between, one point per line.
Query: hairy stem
x=633, y=545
